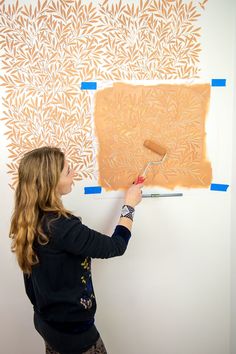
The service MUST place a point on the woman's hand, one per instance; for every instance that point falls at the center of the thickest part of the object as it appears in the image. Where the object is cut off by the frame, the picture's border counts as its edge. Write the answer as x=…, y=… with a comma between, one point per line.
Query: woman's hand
x=133, y=195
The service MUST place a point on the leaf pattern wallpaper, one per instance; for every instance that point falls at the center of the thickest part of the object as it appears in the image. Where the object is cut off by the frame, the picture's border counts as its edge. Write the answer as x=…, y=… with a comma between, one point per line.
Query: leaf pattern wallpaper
x=48, y=47
x=172, y=116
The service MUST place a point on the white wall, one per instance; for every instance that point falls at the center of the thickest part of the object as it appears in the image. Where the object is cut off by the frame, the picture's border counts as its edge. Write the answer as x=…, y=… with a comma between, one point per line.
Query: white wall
x=170, y=292
x=233, y=219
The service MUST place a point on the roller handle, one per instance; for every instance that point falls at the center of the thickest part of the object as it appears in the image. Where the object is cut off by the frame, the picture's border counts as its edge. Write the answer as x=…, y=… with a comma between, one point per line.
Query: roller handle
x=139, y=180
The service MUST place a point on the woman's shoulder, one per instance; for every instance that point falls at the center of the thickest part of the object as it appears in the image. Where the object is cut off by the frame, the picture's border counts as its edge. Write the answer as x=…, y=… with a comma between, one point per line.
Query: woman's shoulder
x=56, y=215
x=52, y=220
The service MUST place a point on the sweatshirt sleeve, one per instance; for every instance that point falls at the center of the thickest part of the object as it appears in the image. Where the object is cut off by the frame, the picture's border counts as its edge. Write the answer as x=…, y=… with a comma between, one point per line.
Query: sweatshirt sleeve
x=70, y=235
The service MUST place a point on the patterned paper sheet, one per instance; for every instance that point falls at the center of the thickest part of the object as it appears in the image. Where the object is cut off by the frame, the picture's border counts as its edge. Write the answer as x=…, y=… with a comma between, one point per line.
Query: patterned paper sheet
x=48, y=47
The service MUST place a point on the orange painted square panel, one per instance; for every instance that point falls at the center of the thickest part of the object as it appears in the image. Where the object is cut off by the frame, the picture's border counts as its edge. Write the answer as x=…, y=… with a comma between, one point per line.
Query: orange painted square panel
x=172, y=116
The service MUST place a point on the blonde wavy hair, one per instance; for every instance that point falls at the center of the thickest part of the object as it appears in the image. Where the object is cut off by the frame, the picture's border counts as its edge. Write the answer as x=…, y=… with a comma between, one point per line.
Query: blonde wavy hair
x=36, y=194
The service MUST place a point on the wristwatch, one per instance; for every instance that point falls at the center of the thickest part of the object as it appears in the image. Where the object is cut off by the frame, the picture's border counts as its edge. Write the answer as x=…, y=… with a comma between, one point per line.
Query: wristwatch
x=127, y=211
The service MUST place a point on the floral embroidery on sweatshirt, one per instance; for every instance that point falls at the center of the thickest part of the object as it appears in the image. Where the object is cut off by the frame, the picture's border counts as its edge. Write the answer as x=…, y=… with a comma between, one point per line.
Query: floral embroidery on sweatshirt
x=86, y=264
x=87, y=295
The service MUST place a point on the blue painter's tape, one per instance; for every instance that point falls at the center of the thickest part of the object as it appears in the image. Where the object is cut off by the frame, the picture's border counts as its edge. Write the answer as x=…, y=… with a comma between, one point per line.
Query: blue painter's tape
x=218, y=82
x=219, y=187
x=88, y=85
x=92, y=190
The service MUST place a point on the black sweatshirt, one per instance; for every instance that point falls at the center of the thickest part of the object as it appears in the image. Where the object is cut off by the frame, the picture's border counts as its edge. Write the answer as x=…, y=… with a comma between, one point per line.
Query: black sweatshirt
x=60, y=286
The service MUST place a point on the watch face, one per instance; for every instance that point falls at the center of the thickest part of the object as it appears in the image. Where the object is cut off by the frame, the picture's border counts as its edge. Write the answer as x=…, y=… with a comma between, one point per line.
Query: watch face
x=125, y=209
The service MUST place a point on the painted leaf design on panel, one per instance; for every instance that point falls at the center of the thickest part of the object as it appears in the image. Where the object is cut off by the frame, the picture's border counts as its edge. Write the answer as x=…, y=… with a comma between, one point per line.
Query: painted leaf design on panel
x=173, y=116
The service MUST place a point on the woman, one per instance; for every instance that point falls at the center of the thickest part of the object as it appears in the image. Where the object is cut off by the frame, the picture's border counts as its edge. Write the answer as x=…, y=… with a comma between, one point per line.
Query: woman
x=54, y=251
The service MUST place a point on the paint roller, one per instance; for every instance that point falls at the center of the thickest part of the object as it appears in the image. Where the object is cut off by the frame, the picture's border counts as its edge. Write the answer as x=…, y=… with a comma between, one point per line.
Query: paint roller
x=161, y=151
x=158, y=149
